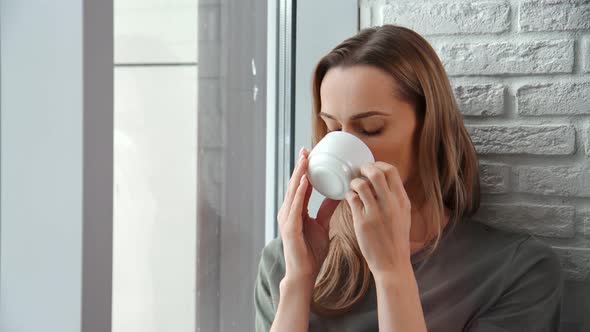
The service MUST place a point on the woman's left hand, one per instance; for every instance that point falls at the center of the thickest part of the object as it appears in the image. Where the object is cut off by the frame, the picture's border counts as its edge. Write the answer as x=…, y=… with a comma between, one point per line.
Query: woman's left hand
x=381, y=215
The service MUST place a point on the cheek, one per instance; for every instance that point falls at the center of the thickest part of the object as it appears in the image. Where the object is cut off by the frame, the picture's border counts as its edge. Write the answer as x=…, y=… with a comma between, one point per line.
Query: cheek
x=388, y=152
x=399, y=155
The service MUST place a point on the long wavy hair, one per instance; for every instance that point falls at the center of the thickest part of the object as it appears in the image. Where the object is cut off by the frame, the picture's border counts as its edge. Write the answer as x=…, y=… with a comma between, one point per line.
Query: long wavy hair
x=448, y=170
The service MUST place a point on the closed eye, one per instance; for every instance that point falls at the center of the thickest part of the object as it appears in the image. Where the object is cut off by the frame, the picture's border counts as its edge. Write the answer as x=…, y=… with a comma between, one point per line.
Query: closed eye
x=364, y=132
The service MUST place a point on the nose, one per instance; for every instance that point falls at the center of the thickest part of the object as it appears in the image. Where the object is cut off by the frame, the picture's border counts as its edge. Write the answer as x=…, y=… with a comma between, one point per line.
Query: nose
x=348, y=129
x=353, y=132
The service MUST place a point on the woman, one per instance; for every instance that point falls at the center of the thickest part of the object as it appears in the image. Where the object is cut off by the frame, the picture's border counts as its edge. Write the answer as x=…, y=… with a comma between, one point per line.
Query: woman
x=399, y=253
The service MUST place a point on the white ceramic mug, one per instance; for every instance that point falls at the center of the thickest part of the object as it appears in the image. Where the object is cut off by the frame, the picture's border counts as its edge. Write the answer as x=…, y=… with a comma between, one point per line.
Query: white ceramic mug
x=335, y=161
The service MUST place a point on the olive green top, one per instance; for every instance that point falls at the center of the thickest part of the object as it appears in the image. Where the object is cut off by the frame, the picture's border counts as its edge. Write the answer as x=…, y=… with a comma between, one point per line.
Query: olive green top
x=480, y=278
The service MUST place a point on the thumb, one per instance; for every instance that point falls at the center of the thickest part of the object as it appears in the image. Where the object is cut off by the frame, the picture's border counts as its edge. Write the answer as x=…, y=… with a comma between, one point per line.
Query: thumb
x=326, y=211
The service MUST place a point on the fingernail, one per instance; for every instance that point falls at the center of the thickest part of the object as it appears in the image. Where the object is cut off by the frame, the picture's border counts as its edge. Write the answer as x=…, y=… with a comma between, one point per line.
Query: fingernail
x=303, y=178
x=301, y=151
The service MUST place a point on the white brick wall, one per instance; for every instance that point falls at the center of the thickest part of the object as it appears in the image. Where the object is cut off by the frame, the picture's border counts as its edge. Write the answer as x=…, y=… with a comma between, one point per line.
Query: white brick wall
x=521, y=76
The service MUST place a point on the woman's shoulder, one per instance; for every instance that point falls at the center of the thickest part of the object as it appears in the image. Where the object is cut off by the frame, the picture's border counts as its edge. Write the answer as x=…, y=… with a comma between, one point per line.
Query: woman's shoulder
x=523, y=249
x=534, y=274
x=272, y=261
x=478, y=230
x=536, y=255
x=479, y=236
x=274, y=248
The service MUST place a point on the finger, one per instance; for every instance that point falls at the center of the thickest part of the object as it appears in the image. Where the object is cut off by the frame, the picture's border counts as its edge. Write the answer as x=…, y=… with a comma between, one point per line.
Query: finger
x=388, y=170
x=297, y=206
x=308, y=191
x=326, y=211
x=356, y=205
x=396, y=185
x=363, y=189
x=305, y=152
x=298, y=172
x=377, y=178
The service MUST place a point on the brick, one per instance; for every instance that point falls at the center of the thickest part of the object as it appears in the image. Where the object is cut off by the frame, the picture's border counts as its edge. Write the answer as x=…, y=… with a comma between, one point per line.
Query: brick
x=575, y=262
x=586, y=56
x=583, y=223
x=553, y=180
x=494, y=178
x=535, y=140
x=500, y=58
x=554, y=99
x=480, y=99
x=554, y=15
x=478, y=17
x=541, y=220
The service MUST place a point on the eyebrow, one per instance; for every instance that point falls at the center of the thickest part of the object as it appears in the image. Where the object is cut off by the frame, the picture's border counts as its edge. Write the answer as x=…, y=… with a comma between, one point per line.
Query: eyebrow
x=356, y=116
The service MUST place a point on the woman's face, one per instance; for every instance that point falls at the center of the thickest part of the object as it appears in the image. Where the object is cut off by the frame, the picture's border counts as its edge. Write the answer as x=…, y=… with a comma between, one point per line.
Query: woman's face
x=361, y=100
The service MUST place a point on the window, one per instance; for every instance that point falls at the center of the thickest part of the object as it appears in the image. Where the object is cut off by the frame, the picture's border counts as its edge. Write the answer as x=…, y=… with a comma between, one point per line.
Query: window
x=190, y=163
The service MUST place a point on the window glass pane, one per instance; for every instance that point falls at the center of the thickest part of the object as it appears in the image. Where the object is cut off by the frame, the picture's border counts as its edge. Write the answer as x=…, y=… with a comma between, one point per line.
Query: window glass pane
x=155, y=188
x=190, y=163
x=232, y=137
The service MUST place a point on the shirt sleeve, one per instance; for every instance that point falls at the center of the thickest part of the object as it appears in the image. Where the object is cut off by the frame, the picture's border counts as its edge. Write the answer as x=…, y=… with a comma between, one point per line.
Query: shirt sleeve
x=532, y=297
x=263, y=290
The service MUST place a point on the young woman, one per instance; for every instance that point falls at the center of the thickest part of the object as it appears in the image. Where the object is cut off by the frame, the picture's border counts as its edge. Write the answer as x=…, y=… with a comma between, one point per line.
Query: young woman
x=399, y=253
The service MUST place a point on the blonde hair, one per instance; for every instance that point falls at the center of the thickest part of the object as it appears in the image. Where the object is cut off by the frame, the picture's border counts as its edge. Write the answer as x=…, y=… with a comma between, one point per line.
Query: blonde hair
x=448, y=170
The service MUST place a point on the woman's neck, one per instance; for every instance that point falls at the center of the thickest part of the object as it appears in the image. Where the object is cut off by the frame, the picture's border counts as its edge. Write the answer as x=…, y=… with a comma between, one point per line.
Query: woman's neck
x=419, y=235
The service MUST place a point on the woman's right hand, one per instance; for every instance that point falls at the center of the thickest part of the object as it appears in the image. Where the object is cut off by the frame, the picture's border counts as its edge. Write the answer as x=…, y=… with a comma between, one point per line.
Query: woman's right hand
x=305, y=239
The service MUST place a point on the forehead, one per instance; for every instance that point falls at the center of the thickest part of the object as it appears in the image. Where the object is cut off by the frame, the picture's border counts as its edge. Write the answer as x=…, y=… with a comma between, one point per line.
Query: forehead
x=355, y=89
